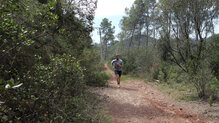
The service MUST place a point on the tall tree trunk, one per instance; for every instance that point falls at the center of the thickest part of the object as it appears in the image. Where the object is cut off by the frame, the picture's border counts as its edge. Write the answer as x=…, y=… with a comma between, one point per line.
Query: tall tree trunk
x=105, y=51
x=101, y=46
x=139, y=36
x=154, y=35
x=139, y=40
x=147, y=28
x=147, y=35
x=131, y=39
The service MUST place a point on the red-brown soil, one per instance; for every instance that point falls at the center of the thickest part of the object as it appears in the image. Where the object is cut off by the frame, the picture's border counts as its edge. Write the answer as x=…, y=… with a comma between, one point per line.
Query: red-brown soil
x=139, y=102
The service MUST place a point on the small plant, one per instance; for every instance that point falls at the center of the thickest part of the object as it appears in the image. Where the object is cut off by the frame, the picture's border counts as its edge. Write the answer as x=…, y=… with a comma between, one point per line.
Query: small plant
x=211, y=100
x=201, y=78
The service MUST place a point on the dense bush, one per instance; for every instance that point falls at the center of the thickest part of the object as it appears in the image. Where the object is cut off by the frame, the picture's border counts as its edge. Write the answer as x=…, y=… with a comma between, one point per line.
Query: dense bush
x=200, y=80
x=129, y=64
x=204, y=81
x=54, y=93
x=213, y=50
x=44, y=67
x=213, y=88
x=93, y=69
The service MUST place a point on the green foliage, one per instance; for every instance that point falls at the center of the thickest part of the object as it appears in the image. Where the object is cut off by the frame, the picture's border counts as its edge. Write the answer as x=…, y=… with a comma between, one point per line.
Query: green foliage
x=178, y=91
x=164, y=72
x=107, y=31
x=124, y=78
x=155, y=73
x=161, y=76
x=54, y=93
x=189, y=97
x=201, y=79
x=204, y=81
x=137, y=61
x=213, y=87
x=210, y=100
x=43, y=67
x=101, y=78
x=93, y=69
x=155, y=43
x=213, y=50
x=129, y=66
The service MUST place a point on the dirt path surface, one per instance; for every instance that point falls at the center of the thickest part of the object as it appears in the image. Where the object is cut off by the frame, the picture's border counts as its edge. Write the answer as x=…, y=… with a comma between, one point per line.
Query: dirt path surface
x=138, y=102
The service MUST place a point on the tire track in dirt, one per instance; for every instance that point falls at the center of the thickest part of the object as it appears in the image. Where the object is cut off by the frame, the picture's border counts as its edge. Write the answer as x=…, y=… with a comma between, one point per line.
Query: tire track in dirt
x=138, y=102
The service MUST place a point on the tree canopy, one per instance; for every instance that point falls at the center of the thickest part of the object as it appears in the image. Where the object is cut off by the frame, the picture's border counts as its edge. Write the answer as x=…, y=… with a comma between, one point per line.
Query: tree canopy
x=47, y=59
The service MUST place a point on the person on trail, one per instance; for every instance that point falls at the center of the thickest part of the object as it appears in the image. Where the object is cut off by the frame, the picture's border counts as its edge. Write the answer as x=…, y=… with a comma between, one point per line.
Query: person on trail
x=117, y=65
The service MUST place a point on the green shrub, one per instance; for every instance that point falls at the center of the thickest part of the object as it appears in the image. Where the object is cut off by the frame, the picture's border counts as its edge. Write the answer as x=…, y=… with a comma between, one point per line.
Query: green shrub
x=101, y=78
x=53, y=93
x=161, y=76
x=213, y=52
x=94, y=72
x=210, y=100
x=129, y=64
x=155, y=73
x=164, y=72
x=213, y=88
x=34, y=85
x=200, y=80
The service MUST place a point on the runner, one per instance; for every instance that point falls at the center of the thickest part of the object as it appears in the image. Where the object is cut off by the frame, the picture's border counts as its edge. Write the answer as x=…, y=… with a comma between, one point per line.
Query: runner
x=117, y=65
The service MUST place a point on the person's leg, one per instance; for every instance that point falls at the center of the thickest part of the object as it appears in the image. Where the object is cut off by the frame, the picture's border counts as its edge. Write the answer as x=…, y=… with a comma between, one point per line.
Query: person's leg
x=117, y=75
x=118, y=79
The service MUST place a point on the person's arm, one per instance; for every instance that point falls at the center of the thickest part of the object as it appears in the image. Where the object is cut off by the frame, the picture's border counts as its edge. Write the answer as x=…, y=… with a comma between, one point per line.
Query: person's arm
x=112, y=62
x=122, y=64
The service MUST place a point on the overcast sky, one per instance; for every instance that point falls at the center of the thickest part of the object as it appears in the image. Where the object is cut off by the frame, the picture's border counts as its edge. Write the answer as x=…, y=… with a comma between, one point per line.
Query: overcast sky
x=111, y=9
x=114, y=10
x=106, y=8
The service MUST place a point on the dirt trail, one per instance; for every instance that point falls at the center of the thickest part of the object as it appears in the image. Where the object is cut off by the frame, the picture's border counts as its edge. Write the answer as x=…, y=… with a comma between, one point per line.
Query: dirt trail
x=138, y=102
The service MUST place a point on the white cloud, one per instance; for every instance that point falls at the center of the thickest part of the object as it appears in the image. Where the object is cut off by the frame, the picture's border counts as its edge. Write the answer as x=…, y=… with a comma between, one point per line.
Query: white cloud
x=112, y=7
